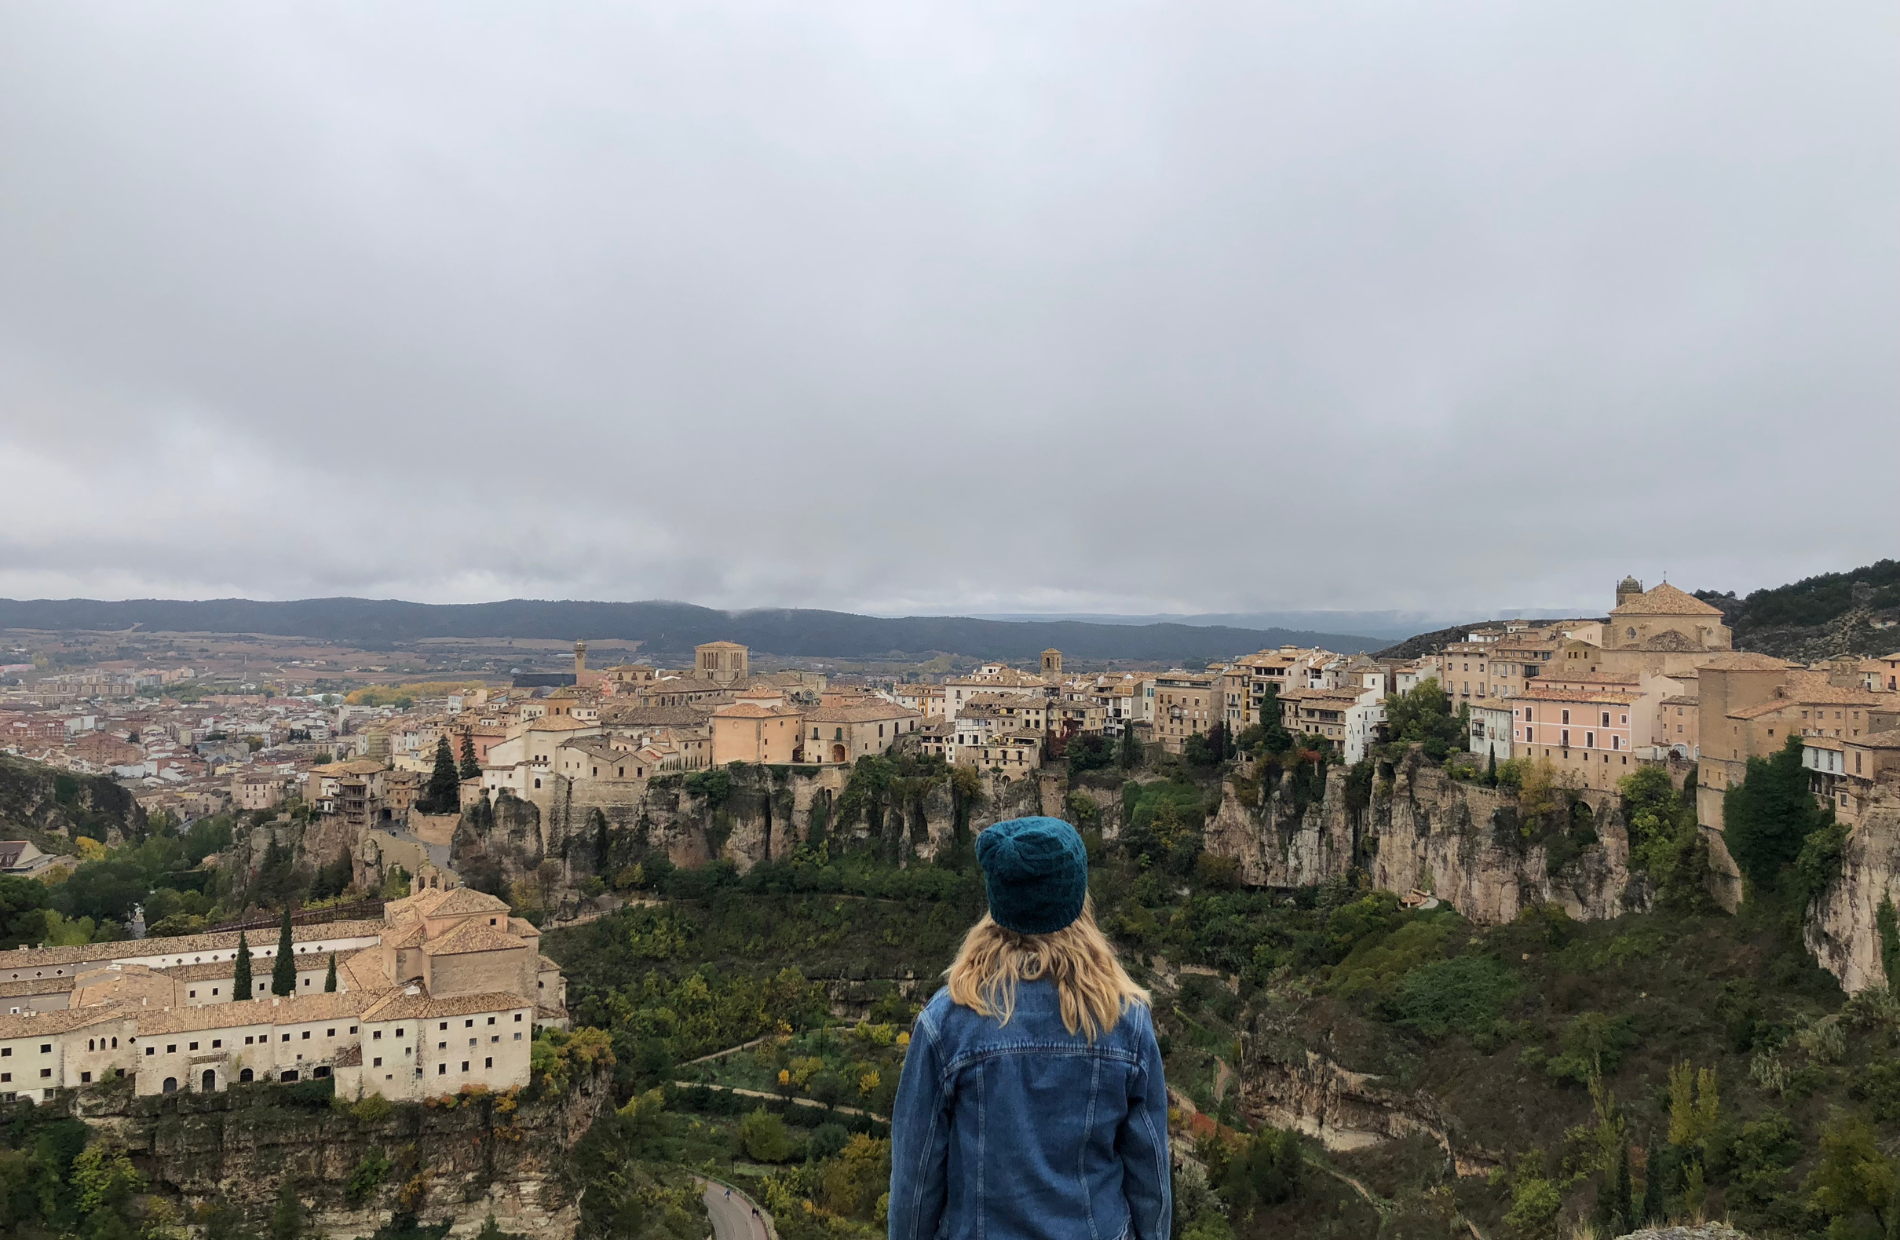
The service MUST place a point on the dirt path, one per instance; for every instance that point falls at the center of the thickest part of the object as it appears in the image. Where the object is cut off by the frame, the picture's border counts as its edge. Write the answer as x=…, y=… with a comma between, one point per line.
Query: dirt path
x=798, y=1102
x=730, y=1050
x=1223, y=1077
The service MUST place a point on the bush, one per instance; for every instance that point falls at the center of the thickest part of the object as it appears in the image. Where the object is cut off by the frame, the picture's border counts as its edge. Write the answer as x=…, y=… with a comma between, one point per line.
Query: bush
x=762, y=1137
x=1465, y=995
x=1592, y=1044
x=369, y=1175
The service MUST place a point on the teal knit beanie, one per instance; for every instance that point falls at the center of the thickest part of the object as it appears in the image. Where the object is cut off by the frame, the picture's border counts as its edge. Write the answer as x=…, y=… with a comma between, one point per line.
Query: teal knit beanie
x=1036, y=873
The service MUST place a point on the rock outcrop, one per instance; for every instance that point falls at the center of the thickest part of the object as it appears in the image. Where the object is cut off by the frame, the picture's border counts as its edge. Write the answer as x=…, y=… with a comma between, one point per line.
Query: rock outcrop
x=483, y=1156
x=744, y=814
x=1843, y=926
x=1425, y=831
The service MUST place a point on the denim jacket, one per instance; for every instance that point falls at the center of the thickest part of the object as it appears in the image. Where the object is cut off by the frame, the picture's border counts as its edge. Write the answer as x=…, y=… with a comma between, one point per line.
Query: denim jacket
x=1025, y=1131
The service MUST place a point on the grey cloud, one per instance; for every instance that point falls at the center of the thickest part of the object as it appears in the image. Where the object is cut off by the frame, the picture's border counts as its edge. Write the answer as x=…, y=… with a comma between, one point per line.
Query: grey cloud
x=976, y=307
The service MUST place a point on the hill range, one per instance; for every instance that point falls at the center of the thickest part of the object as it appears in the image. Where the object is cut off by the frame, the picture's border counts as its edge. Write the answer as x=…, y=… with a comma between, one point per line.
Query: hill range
x=670, y=629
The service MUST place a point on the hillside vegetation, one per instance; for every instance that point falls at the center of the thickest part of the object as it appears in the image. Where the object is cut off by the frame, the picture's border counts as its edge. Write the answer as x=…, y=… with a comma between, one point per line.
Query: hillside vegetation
x=1818, y=617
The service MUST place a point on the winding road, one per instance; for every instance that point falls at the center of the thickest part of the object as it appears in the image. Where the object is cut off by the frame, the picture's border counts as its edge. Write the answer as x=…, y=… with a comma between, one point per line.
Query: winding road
x=732, y=1215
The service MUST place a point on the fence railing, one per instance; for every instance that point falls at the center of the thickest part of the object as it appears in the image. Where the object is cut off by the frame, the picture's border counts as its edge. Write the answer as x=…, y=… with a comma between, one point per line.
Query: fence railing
x=361, y=910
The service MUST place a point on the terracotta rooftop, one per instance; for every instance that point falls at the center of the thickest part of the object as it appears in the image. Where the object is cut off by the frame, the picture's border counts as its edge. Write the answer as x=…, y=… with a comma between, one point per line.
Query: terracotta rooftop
x=401, y=1005
x=64, y=1020
x=1666, y=600
x=474, y=935
x=872, y=711
x=246, y=1013
x=178, y=948
x=752, y=710
x=1743, y=661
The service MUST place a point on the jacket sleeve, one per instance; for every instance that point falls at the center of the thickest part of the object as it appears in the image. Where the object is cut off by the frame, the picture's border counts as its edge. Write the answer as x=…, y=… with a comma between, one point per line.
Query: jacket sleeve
x=920, y=1138
x=1146, y=1180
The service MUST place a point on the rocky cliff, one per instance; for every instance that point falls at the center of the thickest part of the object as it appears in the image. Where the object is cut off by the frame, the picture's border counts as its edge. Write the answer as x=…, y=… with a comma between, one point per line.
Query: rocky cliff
x=743, y=814
x=1843, y=924
x=43, y=801
x=484, y=1155
x=1464, y=843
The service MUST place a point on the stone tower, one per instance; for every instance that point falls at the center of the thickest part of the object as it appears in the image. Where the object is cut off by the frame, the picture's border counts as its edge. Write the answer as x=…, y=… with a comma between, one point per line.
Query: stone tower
x=1052, y=662
x=1627, y=589
x=580, y=660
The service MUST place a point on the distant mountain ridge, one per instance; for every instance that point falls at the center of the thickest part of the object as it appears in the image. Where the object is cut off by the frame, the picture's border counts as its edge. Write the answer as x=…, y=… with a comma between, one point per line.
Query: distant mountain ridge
x=667, y=628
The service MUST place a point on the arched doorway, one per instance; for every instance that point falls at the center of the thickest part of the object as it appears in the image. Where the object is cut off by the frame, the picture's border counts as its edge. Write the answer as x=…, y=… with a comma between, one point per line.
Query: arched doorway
x=210, y=1083
x=245, y=1077
x=170, y=1086
x=837, y=753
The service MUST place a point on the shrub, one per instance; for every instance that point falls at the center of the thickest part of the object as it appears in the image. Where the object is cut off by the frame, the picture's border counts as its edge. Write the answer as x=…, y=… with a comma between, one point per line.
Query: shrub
x=1465, y=995
x=368, y=1176
x=762, y=1137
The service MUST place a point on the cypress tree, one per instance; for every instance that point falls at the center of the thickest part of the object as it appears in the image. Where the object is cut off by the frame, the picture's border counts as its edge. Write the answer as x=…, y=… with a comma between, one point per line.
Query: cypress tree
x=283, y=972
x=329, y=980
x=1653, y=1174
x=445, y=785
x=471, y=769
x=1622, y=1200
x=241, y=987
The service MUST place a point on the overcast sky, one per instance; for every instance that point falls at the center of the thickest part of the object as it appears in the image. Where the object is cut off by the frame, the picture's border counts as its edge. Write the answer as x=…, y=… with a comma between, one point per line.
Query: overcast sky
x=969, y=307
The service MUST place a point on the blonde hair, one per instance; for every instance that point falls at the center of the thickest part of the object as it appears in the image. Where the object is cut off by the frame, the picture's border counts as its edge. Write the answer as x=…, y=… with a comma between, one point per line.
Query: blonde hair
x=1093, y=986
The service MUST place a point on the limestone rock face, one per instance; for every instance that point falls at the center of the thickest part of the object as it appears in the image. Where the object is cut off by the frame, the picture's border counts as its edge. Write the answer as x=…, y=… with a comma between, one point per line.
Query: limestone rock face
x=461, y=1163
x=1295, y=1087
x=747, y=814
x=1424, y=832
x=1842, y=930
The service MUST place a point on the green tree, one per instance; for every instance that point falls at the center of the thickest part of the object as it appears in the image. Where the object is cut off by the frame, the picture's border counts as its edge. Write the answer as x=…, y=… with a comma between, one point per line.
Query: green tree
x=762, y=1136
x=22, y=912
x=1769, y=815
x=329, y=979
x=1853, y=1178
x=283, y=971
x=470, y=768
x=1128, y=752
x=444, y=793
x=1422, y=715
x=241, y=987
x=1266, y=1172
x=287, y=1216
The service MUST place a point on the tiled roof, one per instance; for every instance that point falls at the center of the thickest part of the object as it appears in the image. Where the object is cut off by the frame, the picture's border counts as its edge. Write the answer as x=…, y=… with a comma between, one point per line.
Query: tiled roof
x=23, y=958
x=1666, y=600
x=63, y=1020
x=1742, y=661
x=561, y=723
x=1890, y=739
x=752, y=710
x=35, y=986
x=467, y=900
x=401, y=1005
x=364, y=971
x=1535, y=693
x=474, y=935
x=270, y=1010
x=861, y=712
